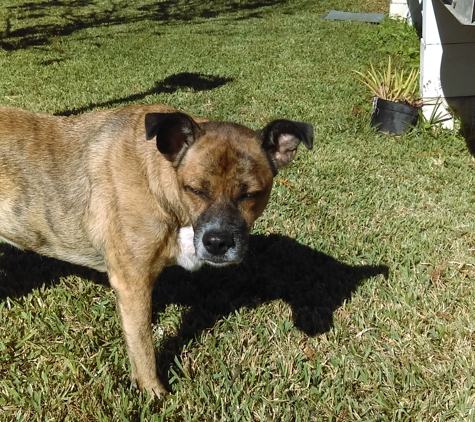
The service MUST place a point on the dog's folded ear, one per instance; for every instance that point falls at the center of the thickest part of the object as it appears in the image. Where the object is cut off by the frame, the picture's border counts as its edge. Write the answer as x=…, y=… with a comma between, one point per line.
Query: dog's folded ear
x=281, y=138
x=174, y=133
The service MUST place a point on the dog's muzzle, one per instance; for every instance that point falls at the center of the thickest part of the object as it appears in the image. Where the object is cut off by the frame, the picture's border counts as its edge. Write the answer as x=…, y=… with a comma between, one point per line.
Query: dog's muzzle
x=221, y=236
x=218, y=247
x=218, y=242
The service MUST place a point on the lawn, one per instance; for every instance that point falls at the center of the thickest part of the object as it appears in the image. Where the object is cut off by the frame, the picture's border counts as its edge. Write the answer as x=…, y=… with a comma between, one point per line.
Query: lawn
x=356, y=299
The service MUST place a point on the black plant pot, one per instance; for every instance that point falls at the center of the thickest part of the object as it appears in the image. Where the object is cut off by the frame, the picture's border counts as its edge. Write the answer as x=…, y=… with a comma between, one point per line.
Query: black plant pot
x=393, y=118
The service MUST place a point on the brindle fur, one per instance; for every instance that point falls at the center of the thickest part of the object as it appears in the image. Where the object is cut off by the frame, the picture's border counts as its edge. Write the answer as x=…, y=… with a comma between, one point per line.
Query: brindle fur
x=94, y=190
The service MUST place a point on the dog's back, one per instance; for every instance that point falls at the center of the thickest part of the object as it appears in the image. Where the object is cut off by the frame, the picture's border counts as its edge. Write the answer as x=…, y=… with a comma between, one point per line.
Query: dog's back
x=44, y=185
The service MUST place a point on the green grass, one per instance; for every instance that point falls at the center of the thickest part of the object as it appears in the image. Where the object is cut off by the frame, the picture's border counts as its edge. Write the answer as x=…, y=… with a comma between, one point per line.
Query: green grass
x=356, y=300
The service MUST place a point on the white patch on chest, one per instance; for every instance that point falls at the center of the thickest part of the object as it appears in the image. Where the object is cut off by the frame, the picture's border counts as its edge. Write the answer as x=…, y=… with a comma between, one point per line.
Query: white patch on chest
x=187, y=256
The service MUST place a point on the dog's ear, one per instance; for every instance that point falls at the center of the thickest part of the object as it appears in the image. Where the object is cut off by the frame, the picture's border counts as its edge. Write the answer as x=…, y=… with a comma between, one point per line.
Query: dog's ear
x=281, y=138
x=174, y=133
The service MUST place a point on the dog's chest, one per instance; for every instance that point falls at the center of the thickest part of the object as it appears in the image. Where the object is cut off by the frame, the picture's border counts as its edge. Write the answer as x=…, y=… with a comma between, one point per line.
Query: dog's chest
x=187, y=255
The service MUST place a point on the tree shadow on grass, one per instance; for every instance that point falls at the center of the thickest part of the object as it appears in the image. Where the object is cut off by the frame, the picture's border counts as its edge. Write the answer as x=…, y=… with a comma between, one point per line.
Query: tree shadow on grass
x=276, y=268
x=37, y=23
x=195, y=81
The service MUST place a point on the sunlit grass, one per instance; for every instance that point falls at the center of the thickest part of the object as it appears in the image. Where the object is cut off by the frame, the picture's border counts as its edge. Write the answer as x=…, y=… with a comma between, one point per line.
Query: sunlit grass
x=356, y=300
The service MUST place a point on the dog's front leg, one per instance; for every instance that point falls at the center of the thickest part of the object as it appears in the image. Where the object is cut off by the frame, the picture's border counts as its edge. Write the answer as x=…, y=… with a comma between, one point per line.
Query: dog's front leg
x=134, y=302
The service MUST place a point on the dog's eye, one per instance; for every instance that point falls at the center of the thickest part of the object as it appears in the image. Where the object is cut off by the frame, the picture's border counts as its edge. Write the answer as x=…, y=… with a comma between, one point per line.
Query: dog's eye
x=249, y=195
x=195, y=192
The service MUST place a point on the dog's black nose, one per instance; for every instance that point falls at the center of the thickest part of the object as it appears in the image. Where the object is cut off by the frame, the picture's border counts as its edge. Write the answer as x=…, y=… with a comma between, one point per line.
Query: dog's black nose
x=218, y=242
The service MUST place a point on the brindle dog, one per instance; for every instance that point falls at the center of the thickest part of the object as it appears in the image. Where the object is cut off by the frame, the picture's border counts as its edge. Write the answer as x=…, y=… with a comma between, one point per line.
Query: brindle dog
x=94, y=190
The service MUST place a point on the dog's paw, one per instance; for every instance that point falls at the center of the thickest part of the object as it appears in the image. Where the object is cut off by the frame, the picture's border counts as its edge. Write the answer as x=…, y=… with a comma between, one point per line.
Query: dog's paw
x=157, y=391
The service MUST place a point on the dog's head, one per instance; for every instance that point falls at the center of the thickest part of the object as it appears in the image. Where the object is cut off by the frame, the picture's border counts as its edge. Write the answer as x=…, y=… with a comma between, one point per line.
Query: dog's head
x=225, y=173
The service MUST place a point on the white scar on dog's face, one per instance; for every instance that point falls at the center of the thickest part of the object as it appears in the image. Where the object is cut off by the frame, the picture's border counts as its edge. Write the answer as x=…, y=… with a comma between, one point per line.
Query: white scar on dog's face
x=187, y=257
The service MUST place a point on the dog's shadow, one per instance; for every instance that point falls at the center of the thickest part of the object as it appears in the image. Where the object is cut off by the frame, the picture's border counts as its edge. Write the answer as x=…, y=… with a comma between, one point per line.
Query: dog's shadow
x=276, y=268
x=22, y=272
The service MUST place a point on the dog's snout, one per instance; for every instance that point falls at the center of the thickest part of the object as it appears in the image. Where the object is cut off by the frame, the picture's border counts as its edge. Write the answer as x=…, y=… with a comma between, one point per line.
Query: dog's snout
x=218, y=242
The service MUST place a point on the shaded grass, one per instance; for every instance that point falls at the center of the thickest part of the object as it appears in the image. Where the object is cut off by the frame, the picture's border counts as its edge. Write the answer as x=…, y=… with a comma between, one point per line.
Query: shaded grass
x=355, y=302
